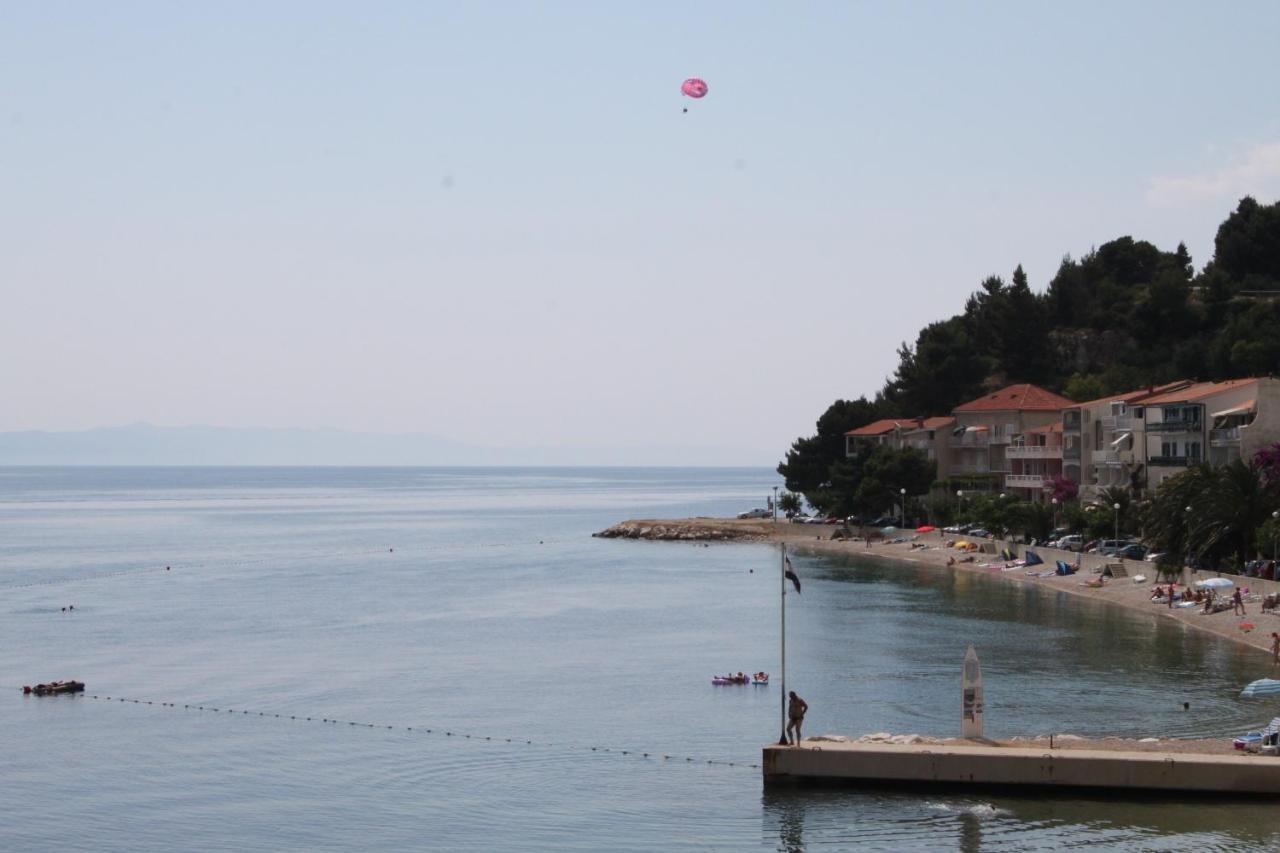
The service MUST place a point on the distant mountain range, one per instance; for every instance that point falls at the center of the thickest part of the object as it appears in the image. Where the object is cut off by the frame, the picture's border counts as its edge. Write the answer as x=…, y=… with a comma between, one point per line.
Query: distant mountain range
x=146, y=444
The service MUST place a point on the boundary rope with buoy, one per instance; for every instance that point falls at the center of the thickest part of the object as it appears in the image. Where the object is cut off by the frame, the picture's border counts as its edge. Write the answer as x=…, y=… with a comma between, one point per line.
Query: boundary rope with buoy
x=431, y=730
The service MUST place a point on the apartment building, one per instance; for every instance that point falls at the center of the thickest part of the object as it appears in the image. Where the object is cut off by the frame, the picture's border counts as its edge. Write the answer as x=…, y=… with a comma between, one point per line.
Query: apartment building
x=987, y=427
x=1103, y=440
x=1213, y=422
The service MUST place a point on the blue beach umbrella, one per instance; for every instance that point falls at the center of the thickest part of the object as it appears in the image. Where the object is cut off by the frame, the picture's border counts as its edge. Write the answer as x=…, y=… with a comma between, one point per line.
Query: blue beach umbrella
x=1261, y=689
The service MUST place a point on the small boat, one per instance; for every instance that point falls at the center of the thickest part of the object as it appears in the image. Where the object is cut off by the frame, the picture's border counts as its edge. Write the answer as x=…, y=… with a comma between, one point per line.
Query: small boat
x=53, y=688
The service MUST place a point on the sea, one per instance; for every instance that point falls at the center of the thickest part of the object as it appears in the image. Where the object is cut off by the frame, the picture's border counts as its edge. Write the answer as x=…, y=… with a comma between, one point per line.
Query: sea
x=446, y=659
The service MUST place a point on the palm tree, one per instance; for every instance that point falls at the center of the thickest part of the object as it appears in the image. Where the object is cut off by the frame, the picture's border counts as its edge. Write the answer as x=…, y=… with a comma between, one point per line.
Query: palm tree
x=1235, y=504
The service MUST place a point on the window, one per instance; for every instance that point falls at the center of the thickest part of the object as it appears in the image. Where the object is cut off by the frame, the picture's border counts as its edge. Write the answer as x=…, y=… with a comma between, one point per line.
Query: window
x=1168, y=448
x=1193, y=450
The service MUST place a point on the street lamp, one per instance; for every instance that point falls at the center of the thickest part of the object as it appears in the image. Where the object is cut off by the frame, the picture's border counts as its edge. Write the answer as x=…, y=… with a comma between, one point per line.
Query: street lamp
x=1275, y=527
x=903, y=517
x=1054, y=501
x=775, y=505
x=960, y=497
x=1116, y=506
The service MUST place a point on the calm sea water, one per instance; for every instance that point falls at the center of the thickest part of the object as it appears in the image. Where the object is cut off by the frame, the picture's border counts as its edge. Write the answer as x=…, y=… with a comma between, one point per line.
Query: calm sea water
x=475, y=602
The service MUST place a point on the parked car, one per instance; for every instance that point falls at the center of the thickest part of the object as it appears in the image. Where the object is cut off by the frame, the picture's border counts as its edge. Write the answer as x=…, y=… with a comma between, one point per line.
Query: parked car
x=756, y=513
x=1133, y=551
x=884, y=521
x=1110, y=547
x=978, y=531
x=1069, y=542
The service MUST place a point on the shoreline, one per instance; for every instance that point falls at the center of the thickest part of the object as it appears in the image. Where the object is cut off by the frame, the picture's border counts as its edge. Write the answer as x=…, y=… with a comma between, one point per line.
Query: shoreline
x=1121, y=592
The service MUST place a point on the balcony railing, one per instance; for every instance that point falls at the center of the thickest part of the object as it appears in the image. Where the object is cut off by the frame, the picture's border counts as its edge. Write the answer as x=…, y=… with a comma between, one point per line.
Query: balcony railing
x=1034, y=451
x=1071, y=451
x=1176, y=426
x=970, y=439
x=1106, y=457
x=1001, y=439
x=1025, y=481
x=1174, y=460
x=1117, y=423
x=1224, y=437
x=970, y=469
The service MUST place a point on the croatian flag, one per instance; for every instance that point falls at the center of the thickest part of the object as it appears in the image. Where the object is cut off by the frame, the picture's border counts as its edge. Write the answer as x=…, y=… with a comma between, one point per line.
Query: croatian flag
x=790, y=573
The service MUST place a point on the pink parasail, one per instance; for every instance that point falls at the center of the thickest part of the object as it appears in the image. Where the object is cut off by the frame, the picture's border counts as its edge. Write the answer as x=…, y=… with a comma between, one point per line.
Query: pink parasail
x=694, y=88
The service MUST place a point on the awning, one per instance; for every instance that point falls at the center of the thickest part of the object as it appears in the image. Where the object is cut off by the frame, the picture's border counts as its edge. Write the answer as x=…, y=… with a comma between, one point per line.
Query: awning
x=1243, y=409
x=1122, y=437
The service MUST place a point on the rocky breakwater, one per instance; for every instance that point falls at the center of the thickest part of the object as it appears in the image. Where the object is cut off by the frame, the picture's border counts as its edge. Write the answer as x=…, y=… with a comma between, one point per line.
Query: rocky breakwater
x=691, y=530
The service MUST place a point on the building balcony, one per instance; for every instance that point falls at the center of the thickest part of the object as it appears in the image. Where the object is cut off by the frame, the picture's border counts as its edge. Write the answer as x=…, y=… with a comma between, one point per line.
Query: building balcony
x=1224, y=437
x=1071, y=451
x=1176, y=426
x=1112, y=458
x=1026, y=481
x=1001, y=439
x=1034, y=451
x=1174, y=461
x=970, y=468
x=971, y=439
x=1117, y=423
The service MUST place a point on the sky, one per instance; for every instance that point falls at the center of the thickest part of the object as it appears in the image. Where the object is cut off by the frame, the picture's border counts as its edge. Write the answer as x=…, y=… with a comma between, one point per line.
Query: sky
x=493, y=222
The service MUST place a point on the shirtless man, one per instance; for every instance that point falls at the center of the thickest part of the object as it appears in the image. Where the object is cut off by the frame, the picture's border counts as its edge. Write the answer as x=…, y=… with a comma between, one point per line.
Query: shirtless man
x=795, y=712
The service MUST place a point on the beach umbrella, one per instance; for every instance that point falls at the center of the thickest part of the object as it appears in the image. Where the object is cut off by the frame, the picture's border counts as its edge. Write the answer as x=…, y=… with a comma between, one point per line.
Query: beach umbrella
x=1261, y=689
x=925, y=528
x=1215, y=583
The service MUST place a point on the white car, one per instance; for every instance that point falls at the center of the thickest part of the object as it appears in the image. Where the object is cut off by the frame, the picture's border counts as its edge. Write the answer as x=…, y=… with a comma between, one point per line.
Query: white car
x=756, y=513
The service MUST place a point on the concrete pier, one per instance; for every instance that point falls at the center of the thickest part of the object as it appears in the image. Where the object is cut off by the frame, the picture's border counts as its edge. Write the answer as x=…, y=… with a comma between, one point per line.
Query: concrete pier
x=962, y=766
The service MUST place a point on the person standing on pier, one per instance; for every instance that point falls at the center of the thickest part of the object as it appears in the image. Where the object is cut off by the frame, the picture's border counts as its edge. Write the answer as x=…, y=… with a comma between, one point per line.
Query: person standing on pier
x=795, y=712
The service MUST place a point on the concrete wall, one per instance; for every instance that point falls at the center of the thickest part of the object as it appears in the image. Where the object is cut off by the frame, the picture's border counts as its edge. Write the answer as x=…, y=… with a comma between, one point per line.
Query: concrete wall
x=934, y=764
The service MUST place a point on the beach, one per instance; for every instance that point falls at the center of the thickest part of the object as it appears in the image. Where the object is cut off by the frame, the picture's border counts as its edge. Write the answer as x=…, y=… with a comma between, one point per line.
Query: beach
x=930, y=549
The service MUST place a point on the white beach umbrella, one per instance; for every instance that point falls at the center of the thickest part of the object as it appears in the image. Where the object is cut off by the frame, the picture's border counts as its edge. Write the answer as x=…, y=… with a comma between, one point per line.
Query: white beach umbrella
x=1215, y=583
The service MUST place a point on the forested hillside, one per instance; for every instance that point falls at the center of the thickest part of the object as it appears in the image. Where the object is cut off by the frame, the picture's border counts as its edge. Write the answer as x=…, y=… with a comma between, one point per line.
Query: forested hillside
x=1125, y=315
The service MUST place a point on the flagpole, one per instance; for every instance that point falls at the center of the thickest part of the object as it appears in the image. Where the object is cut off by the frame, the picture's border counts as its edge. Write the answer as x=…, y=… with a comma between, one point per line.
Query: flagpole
x=782, y=577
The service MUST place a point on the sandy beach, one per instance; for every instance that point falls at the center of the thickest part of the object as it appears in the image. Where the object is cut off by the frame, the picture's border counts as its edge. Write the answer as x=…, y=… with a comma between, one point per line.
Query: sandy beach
x=1121, y=592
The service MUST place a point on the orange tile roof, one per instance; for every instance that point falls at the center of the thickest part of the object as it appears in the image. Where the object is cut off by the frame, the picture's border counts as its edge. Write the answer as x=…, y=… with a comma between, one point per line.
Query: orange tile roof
x=1017, y=398
x=1198, y=391
x=1139, y=395
x=885, y=425
x=875, y=428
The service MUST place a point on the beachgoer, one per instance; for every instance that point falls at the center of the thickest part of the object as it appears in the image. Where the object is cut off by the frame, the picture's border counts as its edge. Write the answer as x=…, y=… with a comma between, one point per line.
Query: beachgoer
x=1275, y=647
x=796, y=709
x=1171, y=595
x=1237, y=603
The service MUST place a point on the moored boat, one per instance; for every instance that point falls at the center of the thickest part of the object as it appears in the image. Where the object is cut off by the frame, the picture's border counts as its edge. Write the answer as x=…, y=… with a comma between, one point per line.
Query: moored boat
x=55, y=687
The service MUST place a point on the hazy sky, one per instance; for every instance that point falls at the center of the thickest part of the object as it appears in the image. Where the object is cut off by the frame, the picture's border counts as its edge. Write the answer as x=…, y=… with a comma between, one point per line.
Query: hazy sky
x=492, y=221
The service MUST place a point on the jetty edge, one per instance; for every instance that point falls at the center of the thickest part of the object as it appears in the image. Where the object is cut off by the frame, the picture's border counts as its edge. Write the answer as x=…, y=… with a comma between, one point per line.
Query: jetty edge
x=979, y=765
